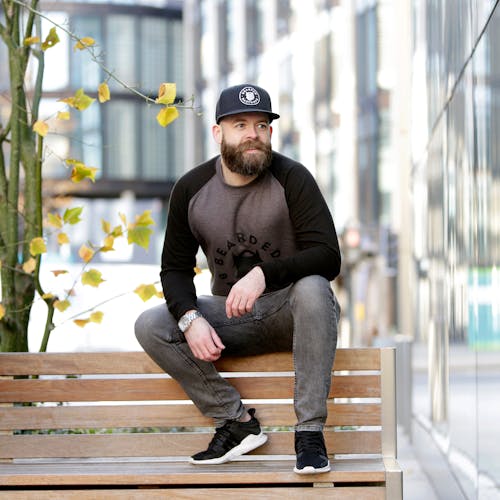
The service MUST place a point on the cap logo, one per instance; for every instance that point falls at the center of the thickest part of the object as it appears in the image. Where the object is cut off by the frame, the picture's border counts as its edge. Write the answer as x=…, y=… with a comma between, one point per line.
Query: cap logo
x=249, y=96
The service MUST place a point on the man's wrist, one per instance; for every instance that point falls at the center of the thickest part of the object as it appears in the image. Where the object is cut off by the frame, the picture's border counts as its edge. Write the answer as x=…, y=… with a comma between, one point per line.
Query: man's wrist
x=187, y=319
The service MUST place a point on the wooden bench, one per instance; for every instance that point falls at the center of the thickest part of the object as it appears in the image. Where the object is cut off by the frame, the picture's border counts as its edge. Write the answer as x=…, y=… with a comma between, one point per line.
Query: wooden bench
x=113, y=425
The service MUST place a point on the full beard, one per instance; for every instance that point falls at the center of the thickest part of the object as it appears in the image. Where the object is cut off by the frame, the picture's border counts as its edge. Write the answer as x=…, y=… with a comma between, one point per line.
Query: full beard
x=237, y=161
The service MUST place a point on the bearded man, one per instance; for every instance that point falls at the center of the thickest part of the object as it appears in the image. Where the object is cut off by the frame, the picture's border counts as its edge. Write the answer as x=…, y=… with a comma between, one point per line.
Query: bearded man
x=272, y=250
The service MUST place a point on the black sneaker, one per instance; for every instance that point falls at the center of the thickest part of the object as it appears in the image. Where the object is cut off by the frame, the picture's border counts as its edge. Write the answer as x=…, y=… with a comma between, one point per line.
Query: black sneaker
x=232, y=440
x=311, y=453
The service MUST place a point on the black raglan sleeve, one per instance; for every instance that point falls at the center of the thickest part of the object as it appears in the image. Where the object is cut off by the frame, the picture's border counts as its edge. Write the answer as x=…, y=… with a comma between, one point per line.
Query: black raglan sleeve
x=316, y=237
x=179, y=254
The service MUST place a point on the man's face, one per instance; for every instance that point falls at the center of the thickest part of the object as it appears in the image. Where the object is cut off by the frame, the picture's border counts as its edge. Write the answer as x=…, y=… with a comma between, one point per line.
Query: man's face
x=245, y=141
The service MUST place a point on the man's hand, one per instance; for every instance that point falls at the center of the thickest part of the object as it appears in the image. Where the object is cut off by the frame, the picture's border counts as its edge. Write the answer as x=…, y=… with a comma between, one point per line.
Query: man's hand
x=245, y=292
x=203, y=340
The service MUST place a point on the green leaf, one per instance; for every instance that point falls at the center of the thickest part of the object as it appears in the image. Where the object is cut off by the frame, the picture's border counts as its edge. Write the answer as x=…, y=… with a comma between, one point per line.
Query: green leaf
x=140, y=236
x=37, y=246
x=81, y=172
x=93, y=277
x=145, y=292
x=79, y=100
x=51, y=40
x=72, y=215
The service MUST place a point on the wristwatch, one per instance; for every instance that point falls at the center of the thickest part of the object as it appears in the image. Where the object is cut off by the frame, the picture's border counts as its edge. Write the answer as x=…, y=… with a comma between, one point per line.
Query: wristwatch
x=187, y=319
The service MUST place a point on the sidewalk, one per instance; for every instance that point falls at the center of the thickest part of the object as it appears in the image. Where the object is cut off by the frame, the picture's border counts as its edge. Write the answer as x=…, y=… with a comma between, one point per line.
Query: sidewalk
x=416, y=485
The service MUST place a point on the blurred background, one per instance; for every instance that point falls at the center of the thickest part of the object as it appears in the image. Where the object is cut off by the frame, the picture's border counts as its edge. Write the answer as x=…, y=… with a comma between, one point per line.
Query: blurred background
x=394, y=106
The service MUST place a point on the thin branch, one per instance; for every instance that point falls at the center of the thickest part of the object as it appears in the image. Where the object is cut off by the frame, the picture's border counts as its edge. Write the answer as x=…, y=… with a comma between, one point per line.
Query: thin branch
x=95, y=57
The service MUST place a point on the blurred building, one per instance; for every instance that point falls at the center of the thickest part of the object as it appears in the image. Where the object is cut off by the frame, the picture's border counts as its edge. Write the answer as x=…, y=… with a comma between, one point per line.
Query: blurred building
x=331, y=69
x=456, y=231
x=141, y=42
x=394, y=108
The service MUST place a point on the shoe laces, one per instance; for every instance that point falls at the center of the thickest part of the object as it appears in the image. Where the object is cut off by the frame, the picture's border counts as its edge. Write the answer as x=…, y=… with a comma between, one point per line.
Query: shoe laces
x=310, y=441
x=221, y=438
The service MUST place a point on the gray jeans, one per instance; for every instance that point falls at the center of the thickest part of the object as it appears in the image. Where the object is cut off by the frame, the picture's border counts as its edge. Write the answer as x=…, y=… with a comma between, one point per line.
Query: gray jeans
x=301, y=318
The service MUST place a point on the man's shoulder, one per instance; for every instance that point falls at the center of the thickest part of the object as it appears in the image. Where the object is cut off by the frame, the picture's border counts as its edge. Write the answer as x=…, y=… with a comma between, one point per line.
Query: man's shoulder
x=193, y=180
x=286, y=169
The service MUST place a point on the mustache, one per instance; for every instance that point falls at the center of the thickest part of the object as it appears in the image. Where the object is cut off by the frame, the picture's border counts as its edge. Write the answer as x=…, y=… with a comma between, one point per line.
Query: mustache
x=252, y=144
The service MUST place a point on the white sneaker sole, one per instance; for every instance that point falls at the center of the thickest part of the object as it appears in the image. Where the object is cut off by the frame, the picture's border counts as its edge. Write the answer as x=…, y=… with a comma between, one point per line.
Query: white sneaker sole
x=251, y=442
x=311, y=470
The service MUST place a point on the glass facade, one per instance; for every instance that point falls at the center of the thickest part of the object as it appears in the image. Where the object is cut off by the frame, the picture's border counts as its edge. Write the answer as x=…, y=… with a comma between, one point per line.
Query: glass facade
x=456, y=180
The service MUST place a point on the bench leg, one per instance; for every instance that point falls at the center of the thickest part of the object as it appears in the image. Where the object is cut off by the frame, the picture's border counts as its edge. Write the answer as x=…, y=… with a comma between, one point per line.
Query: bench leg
x=393, y=480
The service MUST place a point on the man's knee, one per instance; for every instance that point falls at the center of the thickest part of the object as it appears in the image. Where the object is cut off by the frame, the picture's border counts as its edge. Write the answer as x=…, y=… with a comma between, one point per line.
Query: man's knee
x=152, y=323
x=310, y=288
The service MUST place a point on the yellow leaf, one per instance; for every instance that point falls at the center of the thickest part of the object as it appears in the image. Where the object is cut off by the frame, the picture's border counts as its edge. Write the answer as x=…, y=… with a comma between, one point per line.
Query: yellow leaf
x=96, y=317
x=86, y=253
x=166, y=116
x=62, y=238
x=84, y=42
x=103, y=92
x=2, y=311
x=109, y=241
x=54, y=220
x=144, y=219
x=41, y=128
x=63, y=115
x=31, y=40
x=79, y=101
x=81, y=322
x=123, y=217
x=145, y=292
x=62, y=305
x=47, y=296
x=117, y=231
x=106, y=226
x=81, y=172
x=197, y=270
x=92, y=278
x=37, y=246
x=57, y=272
x=166, y=93
x=30, y=265
x=51, y=40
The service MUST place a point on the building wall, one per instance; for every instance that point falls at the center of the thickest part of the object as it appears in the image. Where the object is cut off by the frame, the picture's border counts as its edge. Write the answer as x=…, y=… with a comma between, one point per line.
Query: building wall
x=456, y=193
x=141, y=43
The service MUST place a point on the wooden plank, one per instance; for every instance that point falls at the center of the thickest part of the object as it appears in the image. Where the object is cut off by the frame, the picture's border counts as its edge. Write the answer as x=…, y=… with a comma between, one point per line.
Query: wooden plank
x=139, y=362
x=156, y=389
x=268, y=493
x=181, y=473
x=116, y=416
x=163, y=444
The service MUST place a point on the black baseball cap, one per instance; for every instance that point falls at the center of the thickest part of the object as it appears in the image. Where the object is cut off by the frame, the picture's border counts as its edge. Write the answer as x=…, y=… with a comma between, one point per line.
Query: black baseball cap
x=244, y=98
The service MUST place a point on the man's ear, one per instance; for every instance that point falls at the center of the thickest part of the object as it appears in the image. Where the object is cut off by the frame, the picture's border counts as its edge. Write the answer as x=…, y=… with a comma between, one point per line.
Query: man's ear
x=217, y=133
x=270, y=131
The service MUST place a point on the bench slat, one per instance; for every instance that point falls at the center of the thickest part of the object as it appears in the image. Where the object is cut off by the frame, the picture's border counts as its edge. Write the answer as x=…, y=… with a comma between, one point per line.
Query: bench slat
x=268, y=493
x=157, y=389
x=88, y=417
x=163, y=444
x=138, y=362
x=165, y=473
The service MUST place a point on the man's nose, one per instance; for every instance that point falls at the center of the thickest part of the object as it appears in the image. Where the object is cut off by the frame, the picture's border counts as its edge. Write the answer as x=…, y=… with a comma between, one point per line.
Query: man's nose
x=252, y=132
